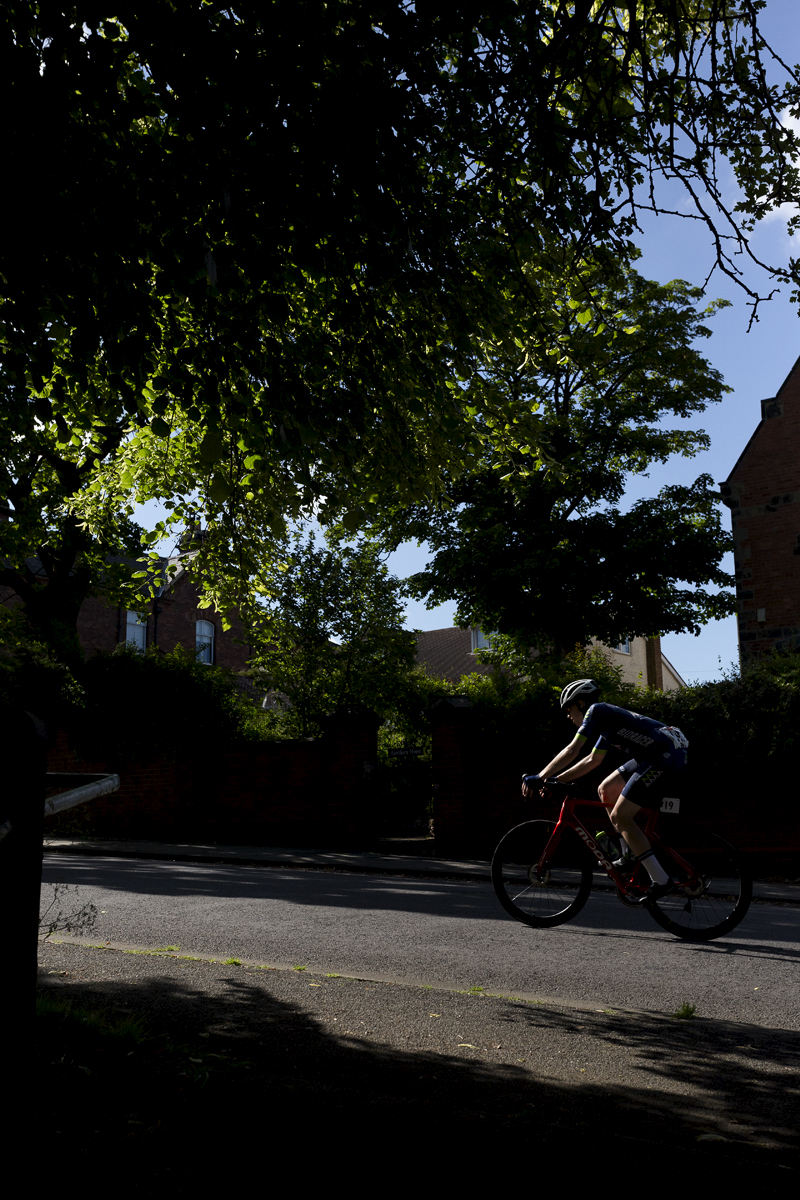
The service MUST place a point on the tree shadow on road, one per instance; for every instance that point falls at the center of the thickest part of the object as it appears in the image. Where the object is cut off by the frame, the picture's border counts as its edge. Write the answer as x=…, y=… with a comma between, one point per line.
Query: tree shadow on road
x=431, y=897
x=247, y=1071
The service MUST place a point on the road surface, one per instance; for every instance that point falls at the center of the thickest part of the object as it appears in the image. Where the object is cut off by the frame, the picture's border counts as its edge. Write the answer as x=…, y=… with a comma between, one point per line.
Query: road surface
x=441, y=933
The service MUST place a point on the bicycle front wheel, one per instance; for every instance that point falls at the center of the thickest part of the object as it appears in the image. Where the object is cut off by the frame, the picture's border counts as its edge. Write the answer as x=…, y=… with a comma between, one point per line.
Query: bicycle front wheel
x=710, y=900
x=536, y=889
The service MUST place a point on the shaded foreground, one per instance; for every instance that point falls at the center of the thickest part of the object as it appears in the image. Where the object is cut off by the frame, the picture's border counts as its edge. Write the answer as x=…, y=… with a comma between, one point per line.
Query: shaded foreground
x=205, y=1067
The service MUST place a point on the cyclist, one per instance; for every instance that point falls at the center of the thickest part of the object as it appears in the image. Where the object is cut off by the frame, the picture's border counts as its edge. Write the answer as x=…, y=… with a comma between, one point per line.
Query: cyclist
x=658, y=756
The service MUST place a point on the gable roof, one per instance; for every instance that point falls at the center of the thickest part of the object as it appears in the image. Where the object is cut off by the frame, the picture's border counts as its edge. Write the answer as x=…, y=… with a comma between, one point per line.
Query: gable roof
x=757, y=430
x=447, y=653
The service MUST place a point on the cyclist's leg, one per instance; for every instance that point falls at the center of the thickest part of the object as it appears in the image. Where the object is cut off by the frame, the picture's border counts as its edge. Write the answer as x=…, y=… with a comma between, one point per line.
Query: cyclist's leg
x=644, y=789
x=622, y=818
x=610, y=789
x=623, y=810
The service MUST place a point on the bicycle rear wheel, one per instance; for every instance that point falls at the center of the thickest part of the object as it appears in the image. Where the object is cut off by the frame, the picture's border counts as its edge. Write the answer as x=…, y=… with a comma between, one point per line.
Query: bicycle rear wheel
x=541, y=893
x=713, y=899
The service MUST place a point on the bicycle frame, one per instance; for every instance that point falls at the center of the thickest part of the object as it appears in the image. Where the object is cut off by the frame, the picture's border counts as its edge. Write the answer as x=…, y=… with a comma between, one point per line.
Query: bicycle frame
x=542, y=878
x=628, y=885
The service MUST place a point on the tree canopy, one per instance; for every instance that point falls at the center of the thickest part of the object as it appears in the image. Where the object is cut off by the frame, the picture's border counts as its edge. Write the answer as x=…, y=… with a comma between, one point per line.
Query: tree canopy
x=51, y=554
x=538, y=549
x=330, y=633
x=259, y=275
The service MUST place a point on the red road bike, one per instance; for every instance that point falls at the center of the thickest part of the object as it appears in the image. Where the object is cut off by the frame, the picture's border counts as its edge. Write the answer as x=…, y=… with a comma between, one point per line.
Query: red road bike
x=542, y=873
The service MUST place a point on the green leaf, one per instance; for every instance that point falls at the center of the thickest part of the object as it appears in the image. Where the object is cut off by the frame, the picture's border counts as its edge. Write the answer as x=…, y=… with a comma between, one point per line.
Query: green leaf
x=219, y=489
x=352, y=521
x=212, y=447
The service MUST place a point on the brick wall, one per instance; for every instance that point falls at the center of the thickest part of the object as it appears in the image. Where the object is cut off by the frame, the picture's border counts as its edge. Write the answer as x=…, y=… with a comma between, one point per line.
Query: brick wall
x=477, y=781
x=761, y=492
x=310, y=794
x=99, y=626
x=478, y=784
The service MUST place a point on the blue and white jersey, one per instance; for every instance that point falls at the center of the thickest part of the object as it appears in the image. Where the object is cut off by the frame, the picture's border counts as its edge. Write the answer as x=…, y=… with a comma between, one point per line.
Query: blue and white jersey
x=640, y=737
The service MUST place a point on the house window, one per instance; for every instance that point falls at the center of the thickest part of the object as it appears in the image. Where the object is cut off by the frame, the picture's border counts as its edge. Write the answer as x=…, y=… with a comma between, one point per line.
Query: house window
x=136, y=630
x=204, y=641
x=624, y=647
x=480, y=640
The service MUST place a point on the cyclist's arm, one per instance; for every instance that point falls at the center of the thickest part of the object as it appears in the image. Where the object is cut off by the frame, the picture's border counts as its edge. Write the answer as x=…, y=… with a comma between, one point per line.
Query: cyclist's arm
x=582, y=767
x=567, y=755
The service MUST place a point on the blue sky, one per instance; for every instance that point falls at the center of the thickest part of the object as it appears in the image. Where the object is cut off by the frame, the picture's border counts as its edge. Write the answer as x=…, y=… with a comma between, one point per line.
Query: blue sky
x=753, y=363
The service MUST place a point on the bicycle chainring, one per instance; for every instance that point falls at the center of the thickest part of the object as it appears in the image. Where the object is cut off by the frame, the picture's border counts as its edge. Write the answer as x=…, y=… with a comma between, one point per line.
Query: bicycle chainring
x=695, y=890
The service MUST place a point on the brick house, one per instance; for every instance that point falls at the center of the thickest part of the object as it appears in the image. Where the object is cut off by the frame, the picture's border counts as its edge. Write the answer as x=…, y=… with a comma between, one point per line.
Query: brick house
x=451, y=653
x=761, y=492
x=170, y=619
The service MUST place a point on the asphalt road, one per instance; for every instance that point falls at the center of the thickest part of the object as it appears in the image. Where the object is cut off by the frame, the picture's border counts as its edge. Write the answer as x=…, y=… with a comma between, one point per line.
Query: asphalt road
x=440, y=933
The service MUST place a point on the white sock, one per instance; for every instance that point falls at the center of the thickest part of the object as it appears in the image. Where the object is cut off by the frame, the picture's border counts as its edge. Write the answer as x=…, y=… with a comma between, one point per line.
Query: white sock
x=653, y=867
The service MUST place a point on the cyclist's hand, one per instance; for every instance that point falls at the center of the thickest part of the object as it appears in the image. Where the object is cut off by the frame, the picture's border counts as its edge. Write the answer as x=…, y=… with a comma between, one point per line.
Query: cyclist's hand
x=534, y=783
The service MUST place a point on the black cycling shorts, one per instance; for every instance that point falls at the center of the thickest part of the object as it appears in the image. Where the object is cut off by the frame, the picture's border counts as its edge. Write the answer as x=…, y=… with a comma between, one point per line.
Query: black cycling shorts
x=648, y=783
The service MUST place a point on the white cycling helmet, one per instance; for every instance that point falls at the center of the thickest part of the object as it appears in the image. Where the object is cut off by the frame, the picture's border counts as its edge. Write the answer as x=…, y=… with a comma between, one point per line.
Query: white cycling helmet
x=580, y=689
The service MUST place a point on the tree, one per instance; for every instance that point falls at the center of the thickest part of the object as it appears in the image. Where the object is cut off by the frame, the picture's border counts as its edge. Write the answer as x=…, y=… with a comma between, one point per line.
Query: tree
x=63, y=542
x=32, y=678
x=330, y=634
x=276, y=261
x=538, y=550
